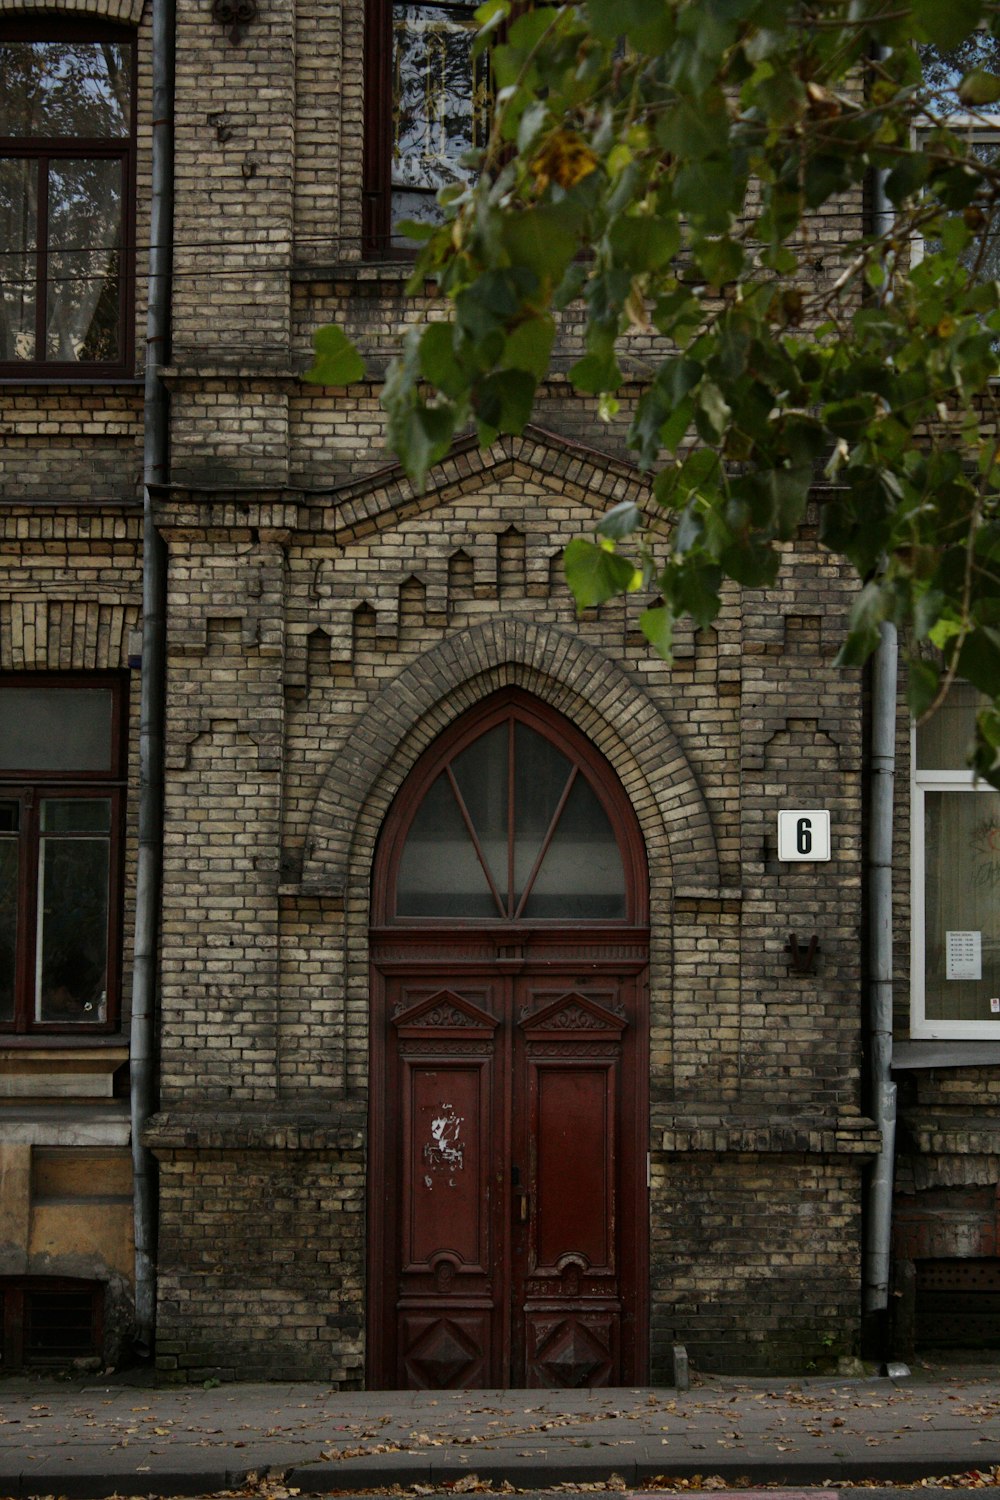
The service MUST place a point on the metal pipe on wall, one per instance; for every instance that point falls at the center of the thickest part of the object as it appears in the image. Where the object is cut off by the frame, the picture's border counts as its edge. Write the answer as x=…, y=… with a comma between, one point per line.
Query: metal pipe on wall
x=878, y=1227
x=883, y=1090
x=156, y=455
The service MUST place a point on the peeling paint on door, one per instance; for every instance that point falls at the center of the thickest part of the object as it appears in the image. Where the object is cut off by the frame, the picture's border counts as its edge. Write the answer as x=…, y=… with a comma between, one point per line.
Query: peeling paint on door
x=443, y=1152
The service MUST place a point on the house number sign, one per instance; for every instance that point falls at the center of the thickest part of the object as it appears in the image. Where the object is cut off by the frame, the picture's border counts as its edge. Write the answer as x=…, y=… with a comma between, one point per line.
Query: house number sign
x=804, y=833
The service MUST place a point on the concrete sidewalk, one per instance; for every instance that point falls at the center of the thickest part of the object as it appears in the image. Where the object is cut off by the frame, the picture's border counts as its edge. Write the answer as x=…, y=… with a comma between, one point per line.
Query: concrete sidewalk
x=85, y=1438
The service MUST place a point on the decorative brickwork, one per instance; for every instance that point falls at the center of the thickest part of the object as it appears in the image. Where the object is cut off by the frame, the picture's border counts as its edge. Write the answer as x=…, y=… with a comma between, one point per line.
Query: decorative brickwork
x=325, y=623
x=319, y=642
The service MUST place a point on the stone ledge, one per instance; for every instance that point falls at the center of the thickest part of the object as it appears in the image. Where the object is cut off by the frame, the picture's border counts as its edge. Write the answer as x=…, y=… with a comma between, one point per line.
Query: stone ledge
x=73, y=1124
x=249, y=1127
x=854, y=1136
x=960, y=1134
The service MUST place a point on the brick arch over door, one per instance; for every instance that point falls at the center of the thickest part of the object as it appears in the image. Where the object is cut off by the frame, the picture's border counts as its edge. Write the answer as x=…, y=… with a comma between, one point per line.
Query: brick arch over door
x=561, y=670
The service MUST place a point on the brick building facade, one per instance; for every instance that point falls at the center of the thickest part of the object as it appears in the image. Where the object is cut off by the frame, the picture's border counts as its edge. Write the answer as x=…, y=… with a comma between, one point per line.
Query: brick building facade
x=329, y=632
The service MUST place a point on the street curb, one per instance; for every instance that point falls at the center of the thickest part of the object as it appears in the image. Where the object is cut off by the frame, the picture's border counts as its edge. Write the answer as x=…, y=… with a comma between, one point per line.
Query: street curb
x=350, y=1481
x=532, y=1473
x=95, y=1486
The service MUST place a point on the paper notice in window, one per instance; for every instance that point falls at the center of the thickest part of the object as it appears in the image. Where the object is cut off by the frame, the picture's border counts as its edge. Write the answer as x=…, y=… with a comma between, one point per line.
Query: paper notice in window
x=965, y=955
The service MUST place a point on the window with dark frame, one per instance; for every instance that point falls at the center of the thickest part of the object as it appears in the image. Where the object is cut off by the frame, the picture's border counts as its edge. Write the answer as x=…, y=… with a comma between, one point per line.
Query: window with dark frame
x=427, y=103
x=67, y=171
x=62, y=764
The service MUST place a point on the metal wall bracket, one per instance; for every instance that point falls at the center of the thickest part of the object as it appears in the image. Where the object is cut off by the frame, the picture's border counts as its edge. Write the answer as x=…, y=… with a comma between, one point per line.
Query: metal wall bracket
x=802, y=959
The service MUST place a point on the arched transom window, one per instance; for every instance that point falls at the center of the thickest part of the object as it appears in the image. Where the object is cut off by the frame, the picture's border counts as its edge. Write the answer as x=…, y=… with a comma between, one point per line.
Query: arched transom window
x=512, y=817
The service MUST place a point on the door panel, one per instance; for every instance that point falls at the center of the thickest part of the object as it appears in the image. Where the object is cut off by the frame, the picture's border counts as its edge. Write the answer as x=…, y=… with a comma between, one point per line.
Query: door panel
x=568, y=1095
x=447, y=1144
x=448, y=1321
x=572, y=1165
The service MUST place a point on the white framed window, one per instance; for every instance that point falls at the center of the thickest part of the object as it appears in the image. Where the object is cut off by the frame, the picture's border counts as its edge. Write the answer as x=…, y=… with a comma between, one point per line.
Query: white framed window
x=955, y=906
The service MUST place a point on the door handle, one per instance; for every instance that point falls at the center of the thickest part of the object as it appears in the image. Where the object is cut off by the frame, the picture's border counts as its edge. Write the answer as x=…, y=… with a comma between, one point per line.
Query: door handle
x=519, y=1196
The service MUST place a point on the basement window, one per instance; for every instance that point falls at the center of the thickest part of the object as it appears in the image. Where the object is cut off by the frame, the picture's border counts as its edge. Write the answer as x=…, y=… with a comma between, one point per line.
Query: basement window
x=48, y=1322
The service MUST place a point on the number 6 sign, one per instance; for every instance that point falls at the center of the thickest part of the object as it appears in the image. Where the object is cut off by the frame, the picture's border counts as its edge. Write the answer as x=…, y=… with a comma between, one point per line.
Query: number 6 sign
x=804, y=833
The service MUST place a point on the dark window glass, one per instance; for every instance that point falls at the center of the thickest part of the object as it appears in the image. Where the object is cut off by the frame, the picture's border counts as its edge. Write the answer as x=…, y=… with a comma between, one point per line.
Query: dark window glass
x=55, y=729
x=9, y=824
x=440, y=874
x=552, y=854
x=85, y=232
x=480, y=774
x=49, y=1321
x=72, y=921
x=19, y=238
x=60, y=856
x=65, y=88
x=944, y=69
x=581, y=874
x=66, y=165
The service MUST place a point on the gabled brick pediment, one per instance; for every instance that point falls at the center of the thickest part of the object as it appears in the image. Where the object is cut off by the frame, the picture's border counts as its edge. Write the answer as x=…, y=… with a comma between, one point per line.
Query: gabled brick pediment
x=569, y=469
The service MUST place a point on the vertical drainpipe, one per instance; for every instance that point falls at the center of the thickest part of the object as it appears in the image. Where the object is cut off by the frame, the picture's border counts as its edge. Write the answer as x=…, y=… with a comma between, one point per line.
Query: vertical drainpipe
x=883, y=1090
x=878, y=1231
x=154, y=570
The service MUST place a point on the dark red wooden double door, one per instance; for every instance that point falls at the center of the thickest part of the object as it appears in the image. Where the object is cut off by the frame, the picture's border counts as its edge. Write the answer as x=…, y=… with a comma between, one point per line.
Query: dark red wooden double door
x=509, y=1064
x=511, y=1179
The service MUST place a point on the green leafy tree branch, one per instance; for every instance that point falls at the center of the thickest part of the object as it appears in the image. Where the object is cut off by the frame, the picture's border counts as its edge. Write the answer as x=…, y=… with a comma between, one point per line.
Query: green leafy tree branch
x=668, y=166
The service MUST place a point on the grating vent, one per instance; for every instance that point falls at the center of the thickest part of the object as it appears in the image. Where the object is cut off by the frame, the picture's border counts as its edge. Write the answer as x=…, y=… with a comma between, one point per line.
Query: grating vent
x=49, y=1322
x=958, y=1304
x=965, y=1275
x=58, y=1327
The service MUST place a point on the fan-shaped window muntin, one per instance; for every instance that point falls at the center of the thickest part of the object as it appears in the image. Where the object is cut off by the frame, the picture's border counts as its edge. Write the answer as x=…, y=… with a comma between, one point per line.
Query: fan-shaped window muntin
x=513, y=817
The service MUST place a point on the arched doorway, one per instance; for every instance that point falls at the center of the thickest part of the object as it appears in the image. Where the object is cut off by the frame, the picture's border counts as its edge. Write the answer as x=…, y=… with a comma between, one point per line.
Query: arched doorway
x=508, y=1214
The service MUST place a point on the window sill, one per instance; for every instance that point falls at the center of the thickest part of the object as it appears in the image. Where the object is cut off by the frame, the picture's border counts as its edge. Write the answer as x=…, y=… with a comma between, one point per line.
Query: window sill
x=396, y=271
x=939, y=1053
x=47, y=1043
x=9, y=378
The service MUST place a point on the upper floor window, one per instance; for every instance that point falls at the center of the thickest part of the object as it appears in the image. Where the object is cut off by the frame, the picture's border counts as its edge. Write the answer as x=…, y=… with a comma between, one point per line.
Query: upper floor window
x=426, y=105
x=61, y=792
x=978, y=128
x=67, y=146
x=956, y=880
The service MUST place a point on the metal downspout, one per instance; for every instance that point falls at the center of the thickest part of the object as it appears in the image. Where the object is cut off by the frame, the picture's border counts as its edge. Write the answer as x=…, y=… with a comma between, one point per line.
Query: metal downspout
x=883, y=1090
x=154, y=568
x=883, y=773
